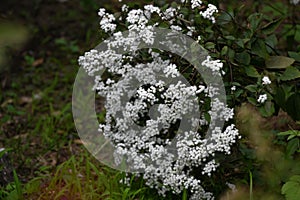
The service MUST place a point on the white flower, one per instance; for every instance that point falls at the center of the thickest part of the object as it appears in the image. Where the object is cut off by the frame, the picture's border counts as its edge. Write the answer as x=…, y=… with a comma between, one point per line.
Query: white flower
x=195, y=3
x=169, y=13
x=124, y=8
x=171, y=70
x=209, y=167
x=214, y=65
x=101, y=12
x=233, y=88
x=209, y=12
x=199, y=38
x=266, y=80
x=262, y=98
x=152, y=8
x=106, y=21
x=175, y=28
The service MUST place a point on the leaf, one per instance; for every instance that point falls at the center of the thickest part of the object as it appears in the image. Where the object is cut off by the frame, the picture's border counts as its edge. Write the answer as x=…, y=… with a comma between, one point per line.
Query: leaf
x=231, y=54
x=271, y=26
x=251, y=88
x=290, y=74
x=259, y=48
x=291, y=189
x=293, y=106
x=289, y=132
x=292, y=146
x=210, y=45
x=294, y=55
x=279, y=62
x=252, y=100
x=280, y=97
x=230, y=37
x=267, y=109
x=240, y=43
x=224, y=18
x=251, y=71
x=224, y=50
x=255, y=20
x=243, y=58
x=271, y=42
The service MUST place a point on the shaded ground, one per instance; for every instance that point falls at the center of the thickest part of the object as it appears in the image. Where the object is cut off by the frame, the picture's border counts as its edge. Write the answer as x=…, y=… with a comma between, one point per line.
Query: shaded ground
x=36, y=125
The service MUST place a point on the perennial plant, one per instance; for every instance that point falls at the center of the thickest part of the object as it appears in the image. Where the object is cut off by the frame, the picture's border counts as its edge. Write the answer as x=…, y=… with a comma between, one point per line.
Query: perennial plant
x=150, y=109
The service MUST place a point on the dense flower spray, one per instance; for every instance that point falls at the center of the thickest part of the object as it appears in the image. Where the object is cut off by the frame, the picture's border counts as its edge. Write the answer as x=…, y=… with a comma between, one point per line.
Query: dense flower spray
x=143, y=122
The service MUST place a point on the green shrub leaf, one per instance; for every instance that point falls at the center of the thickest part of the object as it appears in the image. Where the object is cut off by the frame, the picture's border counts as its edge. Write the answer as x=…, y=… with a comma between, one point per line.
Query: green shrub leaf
x=293, y=106
x=290, y=74
x=251, y=71
x=243, y=58
x=294, y=55
x=291, y=189
x=259, y=48
x=272, y=26
x=279, y=62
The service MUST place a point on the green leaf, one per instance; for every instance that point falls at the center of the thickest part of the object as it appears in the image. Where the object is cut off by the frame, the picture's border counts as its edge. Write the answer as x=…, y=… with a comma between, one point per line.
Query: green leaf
x=259, y=48
x=255, y=20
x=267, y=109
x=293, y=106
x=251, y=88
x=210, y=45
x=231, y=54
x=291, y=137
x=252, y=100
x=243, y=57
x=294, y=55
x=230, y=37
x=280, y=97
x=279, y=62
x=291, y=189
x=240, y=43
x=224, y=18
x=290, y=74
x=271, y=42
x=292, y=146
x=289, y=132
x=271, y=26
x=251, y=71
x=224, y=50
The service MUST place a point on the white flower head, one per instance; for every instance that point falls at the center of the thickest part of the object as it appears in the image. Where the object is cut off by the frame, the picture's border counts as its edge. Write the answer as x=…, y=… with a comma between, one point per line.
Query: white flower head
x=262, y=98
x=195, y=3
x=101, y=12
x=209, y=13
x=266, y=80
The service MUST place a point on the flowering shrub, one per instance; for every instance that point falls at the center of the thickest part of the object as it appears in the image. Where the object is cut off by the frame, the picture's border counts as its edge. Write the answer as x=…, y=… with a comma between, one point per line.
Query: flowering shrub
x=152, y=110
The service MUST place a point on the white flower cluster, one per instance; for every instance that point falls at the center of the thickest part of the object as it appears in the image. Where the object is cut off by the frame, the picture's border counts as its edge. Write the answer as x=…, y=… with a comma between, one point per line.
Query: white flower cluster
x=138, y=18
x=209, y=12
x=141, y=122
x=196, y=3
x=262, y=98
x=266, y=80
x=214, y=65
x=106, y=21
